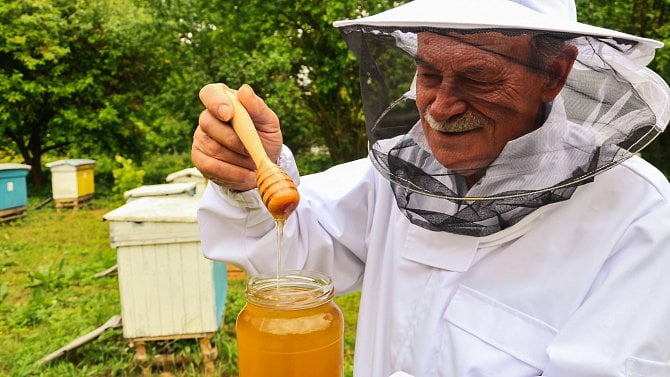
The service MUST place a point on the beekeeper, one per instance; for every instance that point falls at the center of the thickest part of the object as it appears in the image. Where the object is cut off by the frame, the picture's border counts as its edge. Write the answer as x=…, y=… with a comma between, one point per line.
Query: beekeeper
x=503, y=224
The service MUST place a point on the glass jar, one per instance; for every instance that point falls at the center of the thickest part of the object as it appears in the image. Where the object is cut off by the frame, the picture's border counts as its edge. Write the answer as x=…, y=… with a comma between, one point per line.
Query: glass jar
x=290, y=326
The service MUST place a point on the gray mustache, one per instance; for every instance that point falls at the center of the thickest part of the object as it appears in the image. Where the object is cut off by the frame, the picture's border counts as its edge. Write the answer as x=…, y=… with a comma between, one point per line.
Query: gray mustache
x=465, y=122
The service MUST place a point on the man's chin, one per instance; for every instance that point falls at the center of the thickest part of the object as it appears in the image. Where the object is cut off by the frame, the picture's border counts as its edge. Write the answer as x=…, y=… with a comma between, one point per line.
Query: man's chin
x=463, y=166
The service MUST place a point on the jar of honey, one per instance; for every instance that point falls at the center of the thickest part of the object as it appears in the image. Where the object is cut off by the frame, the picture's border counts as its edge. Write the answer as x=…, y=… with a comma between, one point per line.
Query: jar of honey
x=290, y=326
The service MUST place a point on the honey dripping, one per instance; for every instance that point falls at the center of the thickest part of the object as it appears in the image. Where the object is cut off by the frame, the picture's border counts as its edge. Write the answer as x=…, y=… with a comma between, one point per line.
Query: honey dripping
x=279, y=230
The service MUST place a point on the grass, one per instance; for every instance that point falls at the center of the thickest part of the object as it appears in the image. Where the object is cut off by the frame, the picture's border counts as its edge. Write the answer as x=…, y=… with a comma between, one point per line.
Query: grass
x=49, y=297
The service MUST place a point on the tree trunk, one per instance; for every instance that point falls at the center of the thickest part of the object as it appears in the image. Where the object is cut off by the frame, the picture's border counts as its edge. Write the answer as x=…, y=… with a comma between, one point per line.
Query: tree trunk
x=31, y=153
x=36, y=175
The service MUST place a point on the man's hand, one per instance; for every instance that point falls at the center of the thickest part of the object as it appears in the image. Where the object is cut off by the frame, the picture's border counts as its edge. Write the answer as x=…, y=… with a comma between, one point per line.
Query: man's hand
x=217, y=151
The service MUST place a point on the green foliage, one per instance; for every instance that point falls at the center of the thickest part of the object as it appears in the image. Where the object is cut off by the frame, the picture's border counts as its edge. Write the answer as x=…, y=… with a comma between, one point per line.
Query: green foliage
x=296, y=60
x=159, y=166
x=314, y=160
x=48, y=263
x=103, y=174
x=4, y=291
x=72, y=75
x=126, y=176
x=105, y=78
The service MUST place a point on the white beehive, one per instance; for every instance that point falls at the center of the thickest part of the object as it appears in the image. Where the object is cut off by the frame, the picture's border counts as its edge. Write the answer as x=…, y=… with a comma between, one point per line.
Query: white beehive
x=185, y=189
x=189, y=175
x=167, y=287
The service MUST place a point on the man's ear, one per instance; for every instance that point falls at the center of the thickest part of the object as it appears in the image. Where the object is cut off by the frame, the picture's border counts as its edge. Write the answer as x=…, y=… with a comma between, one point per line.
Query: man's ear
x=559, y=69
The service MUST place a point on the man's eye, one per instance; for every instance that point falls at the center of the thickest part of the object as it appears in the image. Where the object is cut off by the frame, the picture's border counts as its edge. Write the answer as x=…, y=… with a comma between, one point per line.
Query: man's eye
x=429, y=76
x=479, y=80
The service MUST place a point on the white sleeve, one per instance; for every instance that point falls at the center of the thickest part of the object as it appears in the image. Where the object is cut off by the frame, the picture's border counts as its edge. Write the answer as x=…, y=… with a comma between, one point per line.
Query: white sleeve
x=327, y=232
x=623, y=326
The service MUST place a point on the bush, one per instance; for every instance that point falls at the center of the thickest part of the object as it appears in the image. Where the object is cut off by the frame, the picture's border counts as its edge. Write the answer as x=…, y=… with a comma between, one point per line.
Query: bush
x=314, y=160
x=159, y=166
x=126, y=177
x=104, y=178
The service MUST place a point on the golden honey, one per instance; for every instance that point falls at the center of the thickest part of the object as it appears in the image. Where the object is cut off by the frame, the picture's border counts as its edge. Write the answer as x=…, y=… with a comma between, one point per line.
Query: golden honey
x=290, y=327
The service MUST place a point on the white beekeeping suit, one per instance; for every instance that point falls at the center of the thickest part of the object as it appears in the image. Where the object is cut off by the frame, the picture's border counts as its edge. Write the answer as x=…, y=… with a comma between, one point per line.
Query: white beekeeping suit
x=553, y=263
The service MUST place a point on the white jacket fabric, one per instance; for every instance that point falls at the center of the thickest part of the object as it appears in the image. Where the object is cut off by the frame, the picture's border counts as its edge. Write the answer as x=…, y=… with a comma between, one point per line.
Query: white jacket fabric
x=578, y=288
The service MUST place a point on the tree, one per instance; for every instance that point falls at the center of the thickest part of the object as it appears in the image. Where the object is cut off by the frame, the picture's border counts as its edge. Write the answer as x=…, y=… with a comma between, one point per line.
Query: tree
x=72, y=74
x=295, y=59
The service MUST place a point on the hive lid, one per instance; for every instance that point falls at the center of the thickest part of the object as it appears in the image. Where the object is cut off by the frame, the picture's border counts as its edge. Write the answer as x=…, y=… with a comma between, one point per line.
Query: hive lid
x=156, y=209
x=13, y=166
x=184, y=173
x=161, y=190
x=72, y=162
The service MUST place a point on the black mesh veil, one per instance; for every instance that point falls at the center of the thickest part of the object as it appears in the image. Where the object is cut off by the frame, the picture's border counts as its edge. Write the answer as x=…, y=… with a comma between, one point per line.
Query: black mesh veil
x=466, y=127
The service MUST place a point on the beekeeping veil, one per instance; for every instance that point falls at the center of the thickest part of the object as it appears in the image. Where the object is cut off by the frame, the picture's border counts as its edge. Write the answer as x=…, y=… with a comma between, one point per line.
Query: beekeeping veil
x=609, y=107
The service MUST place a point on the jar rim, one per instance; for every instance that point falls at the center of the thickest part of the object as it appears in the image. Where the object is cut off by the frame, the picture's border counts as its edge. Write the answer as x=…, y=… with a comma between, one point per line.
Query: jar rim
x=291, y=290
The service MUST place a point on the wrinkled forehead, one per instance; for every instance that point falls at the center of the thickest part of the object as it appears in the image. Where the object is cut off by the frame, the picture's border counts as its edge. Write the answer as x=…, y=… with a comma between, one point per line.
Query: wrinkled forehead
x=494, y=44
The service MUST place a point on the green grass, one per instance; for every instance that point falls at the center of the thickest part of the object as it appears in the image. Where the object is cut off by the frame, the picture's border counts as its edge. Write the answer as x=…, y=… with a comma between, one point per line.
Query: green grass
x=49, y=297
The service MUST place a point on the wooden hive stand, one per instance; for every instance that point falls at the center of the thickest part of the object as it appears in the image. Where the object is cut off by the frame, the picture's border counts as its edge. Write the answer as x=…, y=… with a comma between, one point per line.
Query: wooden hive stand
x=207, y=352
x=73, y=202
x=12, y=213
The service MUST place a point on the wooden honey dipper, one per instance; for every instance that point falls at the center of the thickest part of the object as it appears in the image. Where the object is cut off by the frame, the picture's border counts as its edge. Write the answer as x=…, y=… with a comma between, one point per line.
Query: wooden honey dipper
x=276, y=188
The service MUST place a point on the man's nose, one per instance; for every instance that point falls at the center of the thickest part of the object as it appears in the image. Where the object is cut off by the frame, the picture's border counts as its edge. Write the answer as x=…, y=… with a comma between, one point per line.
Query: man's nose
x=447, y=104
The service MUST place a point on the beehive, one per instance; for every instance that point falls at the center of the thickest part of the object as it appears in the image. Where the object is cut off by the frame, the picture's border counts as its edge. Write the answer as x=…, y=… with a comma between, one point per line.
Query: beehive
x=167, y=287
x=13, y=191
x=72, y=180
x=185, y=189
x=189, y=175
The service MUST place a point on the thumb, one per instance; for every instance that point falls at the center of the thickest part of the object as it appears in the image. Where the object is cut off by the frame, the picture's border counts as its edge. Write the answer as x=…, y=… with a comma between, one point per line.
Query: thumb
x=263, y=117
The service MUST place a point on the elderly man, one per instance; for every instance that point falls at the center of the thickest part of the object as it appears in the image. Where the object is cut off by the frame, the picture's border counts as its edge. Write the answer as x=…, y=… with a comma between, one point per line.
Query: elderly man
x=503, y=225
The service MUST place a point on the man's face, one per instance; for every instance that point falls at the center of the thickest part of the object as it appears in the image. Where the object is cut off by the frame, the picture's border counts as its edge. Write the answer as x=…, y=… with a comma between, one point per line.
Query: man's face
x=474, y=94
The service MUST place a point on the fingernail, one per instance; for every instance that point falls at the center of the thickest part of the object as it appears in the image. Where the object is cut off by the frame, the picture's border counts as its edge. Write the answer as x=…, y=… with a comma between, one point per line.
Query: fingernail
x=250, y=88
x=223, y=111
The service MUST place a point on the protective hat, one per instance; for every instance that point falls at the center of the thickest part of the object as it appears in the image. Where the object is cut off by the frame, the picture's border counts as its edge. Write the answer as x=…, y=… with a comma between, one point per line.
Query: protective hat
x=463, y=60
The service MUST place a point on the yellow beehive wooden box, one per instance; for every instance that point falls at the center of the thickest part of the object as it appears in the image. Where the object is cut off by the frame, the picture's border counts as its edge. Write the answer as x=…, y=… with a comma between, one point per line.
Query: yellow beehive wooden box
x=72, y=179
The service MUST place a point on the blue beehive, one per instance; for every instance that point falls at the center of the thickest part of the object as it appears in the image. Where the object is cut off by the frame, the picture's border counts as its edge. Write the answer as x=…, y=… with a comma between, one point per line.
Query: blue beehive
x=13, y=191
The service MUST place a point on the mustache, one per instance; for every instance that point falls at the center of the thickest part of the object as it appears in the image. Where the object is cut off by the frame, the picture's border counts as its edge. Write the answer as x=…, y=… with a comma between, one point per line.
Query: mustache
x=467, y=121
